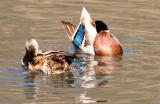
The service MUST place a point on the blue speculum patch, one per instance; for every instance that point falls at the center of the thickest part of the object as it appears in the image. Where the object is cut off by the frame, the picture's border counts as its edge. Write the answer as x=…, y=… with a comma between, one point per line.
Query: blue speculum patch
x=79, y=36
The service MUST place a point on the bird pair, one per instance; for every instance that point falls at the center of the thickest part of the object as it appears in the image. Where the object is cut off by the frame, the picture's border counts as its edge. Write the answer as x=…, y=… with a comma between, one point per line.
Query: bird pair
x=90, y=36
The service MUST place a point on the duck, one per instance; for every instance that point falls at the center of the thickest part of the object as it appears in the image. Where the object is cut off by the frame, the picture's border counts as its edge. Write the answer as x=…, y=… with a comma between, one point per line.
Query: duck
x=49, y=62
x=92, y=36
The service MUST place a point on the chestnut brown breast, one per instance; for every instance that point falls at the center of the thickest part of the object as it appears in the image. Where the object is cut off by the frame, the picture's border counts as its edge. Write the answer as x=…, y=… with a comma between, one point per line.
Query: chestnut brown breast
x=107, y=44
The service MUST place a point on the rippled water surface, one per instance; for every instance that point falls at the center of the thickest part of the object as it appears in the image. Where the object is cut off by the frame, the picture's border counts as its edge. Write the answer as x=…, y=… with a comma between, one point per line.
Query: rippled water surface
x=133, y=78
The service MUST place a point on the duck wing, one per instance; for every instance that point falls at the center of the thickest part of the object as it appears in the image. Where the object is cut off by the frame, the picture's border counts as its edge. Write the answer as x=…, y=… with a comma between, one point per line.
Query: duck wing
x=83, y=35
x=69, y=28
x=75, y=33
x=60, y=56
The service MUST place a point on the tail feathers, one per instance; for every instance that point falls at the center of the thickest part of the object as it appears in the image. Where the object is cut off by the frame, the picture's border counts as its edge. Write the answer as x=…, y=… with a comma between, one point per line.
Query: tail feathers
x=85, y=15
x=69, y=28
x=85, y=33
x=32, y=46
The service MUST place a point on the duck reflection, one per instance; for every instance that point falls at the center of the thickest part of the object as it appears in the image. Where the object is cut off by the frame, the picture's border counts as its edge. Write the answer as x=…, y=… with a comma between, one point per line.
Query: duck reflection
x=91, y=71
x=35, y=84
x=86, y=99
x=106, y=64
x=62, y=80
x=87, y=72
x=30, y=87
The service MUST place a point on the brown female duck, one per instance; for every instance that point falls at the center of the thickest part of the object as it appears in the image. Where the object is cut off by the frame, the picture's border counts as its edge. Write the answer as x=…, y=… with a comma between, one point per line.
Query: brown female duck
x=50, y=62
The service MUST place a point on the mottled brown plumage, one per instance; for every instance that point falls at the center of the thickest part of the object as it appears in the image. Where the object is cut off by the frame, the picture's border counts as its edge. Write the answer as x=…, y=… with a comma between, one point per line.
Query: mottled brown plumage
x=50, y=62
x=69, y=28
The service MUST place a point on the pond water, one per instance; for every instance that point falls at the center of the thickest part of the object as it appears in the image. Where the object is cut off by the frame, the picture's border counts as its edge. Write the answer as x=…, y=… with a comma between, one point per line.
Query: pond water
x=133, y=78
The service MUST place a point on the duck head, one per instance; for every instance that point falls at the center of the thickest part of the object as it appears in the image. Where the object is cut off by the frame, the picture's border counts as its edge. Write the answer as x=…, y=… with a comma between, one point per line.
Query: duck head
x=106, y=43
x=101, y=26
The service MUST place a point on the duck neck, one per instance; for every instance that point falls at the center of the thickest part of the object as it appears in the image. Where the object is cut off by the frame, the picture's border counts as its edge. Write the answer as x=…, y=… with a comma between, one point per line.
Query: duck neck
x=105, y=30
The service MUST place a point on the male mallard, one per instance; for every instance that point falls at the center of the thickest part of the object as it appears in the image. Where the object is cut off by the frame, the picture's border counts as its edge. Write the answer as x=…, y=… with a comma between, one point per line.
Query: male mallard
x=50, y=62
x=92, y=37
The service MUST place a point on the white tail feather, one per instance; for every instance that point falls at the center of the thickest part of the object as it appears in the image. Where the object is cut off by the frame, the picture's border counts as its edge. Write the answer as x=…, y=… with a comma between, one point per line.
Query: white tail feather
x=85, y=14
x=90, y=30
x=35, y=44
x=32, y=45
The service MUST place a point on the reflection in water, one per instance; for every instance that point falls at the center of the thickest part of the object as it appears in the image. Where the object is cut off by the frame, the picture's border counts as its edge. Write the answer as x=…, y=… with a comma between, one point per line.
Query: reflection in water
x=30, y=88
x=91, y=71
x=106, y=64
x=59, y=81
x=84, y=99
x=34, y=82
x=87, y=72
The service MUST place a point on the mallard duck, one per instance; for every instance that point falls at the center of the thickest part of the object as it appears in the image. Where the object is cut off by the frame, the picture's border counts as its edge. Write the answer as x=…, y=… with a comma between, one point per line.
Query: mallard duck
x=50, y=62
x=92, y=37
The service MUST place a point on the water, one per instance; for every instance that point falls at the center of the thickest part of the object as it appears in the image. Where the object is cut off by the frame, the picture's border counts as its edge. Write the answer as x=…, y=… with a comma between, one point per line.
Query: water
x=130, y=79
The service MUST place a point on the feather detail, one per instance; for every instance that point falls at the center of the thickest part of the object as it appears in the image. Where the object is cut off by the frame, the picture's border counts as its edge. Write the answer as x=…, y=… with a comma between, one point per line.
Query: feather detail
x=50, y=62
x=78, y=36
x=69, y=28
x=89, y=25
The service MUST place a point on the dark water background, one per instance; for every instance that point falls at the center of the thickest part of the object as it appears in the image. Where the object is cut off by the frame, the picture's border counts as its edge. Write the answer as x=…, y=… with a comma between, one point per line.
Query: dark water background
x=133, y=78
